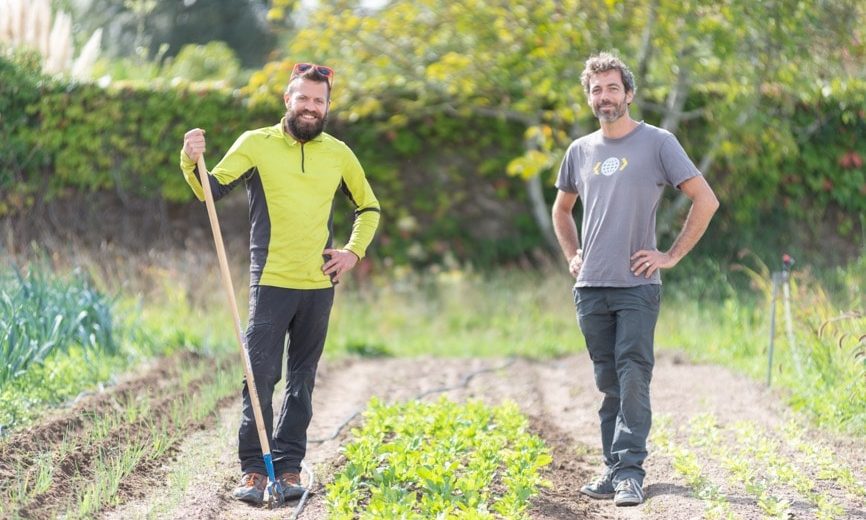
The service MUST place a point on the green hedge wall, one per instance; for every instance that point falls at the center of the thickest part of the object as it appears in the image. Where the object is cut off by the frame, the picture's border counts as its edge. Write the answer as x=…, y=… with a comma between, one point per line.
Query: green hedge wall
x=68, y=138
x=440, y=179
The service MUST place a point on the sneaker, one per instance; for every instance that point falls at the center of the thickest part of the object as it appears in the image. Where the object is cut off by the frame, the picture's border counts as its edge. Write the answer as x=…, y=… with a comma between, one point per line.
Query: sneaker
x=628, y=493
x=291, y=484
x=251, y=488
x=600, y=488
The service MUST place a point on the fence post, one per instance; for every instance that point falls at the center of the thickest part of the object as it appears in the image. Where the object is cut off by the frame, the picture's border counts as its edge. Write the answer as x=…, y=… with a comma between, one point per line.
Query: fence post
x=787, y=263
x=776, y=276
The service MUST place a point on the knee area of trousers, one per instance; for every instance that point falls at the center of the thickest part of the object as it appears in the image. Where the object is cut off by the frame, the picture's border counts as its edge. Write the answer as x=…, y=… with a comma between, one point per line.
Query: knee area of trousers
x=301, y=378
x=607, y=382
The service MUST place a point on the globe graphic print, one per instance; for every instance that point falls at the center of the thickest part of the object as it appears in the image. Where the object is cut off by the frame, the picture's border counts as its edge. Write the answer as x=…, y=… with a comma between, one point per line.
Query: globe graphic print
x=609, y=166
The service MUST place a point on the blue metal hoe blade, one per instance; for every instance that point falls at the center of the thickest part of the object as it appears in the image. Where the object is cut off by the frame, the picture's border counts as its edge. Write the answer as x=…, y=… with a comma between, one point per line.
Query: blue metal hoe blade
x=276, y=496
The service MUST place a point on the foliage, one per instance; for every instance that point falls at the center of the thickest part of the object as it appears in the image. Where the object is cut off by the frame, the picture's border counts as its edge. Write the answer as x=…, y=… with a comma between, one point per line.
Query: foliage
x=438, y=138
x=823, y=370
x=214, y=65
x=432, y=460
x=128, y=139
x=149, y=28
x=60, y=336
x=20, y=71
x=36, y=26
x=214, y=61
x=40, y=315
x=280, y=11
x=61, y=376
x=809, y=164
x=737, y=65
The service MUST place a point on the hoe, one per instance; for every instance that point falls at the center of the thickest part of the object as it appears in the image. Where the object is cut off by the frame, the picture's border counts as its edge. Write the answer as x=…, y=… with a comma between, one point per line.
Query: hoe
x=274, y=494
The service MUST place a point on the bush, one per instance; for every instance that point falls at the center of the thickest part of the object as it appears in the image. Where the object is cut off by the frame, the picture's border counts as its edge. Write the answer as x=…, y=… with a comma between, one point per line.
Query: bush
x=440, y=178
x=213, y=61
x=20, y=77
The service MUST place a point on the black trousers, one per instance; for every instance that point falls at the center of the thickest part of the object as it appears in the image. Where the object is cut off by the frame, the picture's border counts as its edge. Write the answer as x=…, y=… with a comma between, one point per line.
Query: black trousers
x=276, y=313
x=618, y=324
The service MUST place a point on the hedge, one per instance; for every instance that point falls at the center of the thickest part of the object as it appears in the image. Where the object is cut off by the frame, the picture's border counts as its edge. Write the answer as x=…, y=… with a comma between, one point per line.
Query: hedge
x=441, y=179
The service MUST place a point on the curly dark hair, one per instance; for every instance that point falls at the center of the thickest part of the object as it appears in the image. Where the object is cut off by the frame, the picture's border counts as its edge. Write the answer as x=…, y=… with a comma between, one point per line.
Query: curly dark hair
x=603, y=62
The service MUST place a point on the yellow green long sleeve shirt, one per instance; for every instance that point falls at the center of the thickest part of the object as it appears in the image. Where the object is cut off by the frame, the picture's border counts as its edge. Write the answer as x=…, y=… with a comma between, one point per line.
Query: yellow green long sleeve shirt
x=291, y=188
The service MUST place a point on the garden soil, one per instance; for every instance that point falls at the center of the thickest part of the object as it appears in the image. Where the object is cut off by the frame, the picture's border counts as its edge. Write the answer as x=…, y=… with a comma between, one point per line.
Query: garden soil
x=558, y=396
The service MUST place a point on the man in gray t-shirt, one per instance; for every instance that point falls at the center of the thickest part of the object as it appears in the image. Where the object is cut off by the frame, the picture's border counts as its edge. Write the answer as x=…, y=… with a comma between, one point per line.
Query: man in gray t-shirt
x=619, y=173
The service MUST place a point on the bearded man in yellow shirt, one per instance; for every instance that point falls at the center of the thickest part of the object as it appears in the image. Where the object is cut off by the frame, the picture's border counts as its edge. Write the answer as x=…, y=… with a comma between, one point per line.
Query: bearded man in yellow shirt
x=292, y=172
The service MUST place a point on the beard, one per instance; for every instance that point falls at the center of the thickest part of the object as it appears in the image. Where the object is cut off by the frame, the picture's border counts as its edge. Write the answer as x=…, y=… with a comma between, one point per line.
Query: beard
x=305, y=130
x=614, y=112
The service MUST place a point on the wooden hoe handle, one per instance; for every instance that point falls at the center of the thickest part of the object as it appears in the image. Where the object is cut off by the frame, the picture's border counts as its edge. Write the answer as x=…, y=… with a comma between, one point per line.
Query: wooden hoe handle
x=230, y=294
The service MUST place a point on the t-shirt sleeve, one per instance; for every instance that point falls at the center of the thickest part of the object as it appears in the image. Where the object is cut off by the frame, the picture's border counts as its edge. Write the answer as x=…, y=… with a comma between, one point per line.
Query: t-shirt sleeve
x=568, y=174
x=676, y=165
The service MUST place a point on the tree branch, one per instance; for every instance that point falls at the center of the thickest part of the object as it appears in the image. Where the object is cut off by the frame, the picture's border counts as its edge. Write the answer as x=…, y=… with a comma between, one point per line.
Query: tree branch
x=677, y=97
x=644, y=57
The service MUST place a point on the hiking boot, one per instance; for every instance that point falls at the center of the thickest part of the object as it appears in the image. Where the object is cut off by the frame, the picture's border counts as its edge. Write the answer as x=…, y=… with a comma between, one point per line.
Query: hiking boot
x=251, y=488
x=291, y=484
x=600, y=488
x=628, y=493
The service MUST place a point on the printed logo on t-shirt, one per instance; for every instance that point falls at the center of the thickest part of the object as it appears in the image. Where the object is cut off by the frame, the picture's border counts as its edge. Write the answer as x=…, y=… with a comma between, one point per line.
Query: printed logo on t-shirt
x=610, y=166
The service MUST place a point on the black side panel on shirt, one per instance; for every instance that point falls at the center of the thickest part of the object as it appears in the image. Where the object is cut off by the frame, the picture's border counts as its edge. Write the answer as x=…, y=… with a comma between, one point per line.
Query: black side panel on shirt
x=330, y=241
x=260, y=225
x=220, y=190
x=347, y=193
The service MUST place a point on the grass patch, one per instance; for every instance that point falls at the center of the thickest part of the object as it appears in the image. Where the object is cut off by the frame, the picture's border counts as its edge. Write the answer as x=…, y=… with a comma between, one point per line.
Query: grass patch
x=503, y=313
x=437, y=460
x=823, y=371
x=456, y=314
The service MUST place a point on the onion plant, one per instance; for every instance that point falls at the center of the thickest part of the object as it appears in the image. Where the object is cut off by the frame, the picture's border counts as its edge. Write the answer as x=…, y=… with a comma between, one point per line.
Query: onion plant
x=41, y=313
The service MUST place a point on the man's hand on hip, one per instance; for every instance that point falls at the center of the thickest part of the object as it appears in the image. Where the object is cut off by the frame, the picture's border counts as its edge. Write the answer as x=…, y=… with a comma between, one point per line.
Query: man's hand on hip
x=646, y=262
x=341, y=261
x=576, y=263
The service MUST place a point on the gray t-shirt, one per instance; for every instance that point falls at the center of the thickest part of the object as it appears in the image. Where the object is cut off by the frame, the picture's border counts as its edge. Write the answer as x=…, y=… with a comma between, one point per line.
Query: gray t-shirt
x=620, y=182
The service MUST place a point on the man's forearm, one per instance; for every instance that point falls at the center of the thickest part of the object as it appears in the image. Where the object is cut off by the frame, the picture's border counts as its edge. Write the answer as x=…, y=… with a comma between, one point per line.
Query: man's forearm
x=566, y=233
x=363, y=230
x=696, y=224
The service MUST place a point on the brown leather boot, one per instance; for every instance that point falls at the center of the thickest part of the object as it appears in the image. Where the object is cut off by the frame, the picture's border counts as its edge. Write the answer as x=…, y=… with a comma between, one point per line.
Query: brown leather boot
x=291, y=484
x=251, y=488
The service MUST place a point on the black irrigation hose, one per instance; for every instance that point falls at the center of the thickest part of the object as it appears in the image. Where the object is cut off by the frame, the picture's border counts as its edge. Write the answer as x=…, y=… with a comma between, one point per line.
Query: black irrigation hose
x=310, y=482
x=463, y=383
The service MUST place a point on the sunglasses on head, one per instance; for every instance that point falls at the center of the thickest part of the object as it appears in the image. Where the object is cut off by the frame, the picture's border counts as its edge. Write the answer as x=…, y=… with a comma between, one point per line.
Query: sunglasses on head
x=301, y=68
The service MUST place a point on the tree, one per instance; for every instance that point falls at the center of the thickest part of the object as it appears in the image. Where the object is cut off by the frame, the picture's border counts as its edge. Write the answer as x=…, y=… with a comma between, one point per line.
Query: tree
x=153, y=29
x=716, y=60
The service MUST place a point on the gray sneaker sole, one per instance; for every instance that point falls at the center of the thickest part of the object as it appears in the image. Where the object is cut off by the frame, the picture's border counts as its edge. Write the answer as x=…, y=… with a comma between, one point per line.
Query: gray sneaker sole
x=595, y=494
x=628, y=502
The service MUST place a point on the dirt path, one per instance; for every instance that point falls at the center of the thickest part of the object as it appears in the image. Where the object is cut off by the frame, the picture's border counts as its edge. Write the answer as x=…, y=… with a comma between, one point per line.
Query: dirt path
x=560, y=398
